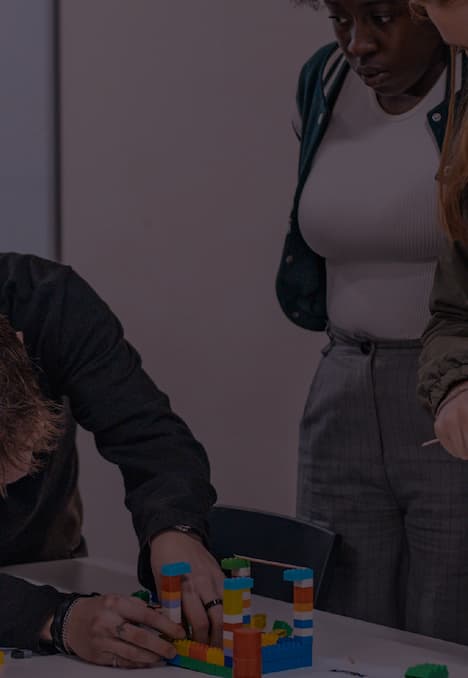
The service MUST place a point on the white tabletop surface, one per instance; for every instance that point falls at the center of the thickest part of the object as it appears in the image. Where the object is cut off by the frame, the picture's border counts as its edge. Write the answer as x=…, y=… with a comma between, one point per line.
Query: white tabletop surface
x=339, y=643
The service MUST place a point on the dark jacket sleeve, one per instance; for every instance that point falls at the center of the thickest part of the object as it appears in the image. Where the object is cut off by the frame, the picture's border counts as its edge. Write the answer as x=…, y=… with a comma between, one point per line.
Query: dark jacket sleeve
x=444, y=358
x=25, y=610
x=165, y=469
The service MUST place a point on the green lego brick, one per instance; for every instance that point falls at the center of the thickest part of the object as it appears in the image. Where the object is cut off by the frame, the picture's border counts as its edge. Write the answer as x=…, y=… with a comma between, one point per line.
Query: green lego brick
x=284, y=626
x=234, y=563
x=202, y=667
x=427, y=671
x=143, y=595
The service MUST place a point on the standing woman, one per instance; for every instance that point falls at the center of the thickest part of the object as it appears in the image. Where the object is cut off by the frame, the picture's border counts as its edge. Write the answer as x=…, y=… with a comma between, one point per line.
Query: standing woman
x=359, y=260
x=443, y=376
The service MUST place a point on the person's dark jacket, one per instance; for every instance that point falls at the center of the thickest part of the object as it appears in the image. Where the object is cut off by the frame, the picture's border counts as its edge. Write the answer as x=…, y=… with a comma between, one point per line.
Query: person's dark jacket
x=78, y=350
x=301, y=279
x=444, y=358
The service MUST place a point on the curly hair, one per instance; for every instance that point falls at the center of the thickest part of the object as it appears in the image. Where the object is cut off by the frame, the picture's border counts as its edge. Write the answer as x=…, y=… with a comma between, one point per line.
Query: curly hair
x=30, y=424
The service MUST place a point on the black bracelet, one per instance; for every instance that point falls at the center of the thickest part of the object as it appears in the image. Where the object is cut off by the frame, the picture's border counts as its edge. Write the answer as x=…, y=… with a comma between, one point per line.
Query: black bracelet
x=57, y=627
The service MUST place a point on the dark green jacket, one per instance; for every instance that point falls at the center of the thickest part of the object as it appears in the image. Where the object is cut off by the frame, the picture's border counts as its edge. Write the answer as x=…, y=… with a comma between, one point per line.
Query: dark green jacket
x=301, y=279
x=444, y=358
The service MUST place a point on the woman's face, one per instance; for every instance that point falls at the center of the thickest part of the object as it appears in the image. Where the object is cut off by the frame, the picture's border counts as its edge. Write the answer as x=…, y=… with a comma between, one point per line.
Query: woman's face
x=451, y=19
x=384, y=44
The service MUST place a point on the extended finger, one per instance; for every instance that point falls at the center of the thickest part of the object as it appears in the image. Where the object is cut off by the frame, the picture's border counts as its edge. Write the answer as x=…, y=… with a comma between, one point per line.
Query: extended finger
x=136, y=611
x=211, y=596
x=195, y=613
x=144, y=638
x=127, y=652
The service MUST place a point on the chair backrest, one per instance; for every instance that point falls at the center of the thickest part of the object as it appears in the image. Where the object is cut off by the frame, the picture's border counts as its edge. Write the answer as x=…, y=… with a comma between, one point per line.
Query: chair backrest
x=277, y=538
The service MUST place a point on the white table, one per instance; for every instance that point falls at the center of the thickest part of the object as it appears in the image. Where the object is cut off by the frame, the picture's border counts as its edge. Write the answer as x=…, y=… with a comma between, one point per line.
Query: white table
x=339, y=642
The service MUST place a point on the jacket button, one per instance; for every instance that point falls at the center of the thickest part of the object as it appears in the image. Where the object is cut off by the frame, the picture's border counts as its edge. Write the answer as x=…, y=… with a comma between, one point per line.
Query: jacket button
x=289, y=259
x=436, y=117
x=296, y=314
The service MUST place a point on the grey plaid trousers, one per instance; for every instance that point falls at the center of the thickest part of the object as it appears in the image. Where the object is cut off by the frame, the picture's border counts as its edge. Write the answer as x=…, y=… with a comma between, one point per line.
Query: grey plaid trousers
x=401, y=509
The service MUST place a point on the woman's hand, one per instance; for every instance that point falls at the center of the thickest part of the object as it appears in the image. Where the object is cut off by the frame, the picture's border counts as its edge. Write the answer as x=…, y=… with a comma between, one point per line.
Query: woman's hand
x=451, y=423
x=120, y=631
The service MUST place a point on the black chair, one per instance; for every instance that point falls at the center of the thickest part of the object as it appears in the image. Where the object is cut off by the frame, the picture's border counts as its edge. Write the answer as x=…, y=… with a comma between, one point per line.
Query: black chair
x=276, y=538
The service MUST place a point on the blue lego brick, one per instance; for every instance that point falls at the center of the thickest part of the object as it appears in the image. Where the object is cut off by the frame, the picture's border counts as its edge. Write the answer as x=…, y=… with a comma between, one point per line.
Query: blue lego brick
x=170, y=604
x=303, y=623
x=286, y=664
x=175, y=569
x=298, y=574
x=246, y=619
x=227, y=661
x=238, y=583
x=288, y=653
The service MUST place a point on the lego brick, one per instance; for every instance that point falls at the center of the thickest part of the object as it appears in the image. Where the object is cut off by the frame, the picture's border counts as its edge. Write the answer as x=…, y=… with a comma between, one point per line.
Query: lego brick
x=175, y=569
x=171, y=595
x=303, y=595
x=142, y=595
x=215, y=655
x=427, y=671
x=282, y=626
x=19, y=654
x=242, y=572
x=246, y=620
x=304, y=584
x=198, y=651
x=238, y=584
x=298, y=575
x=202, y=667
x=171, y=583
x=232, y=619
x=258, y=621
x=2, y=657
x=303, y=607
x=304, y=615
x=247, y=653
x=303, y=624
x=234, y=563
x=170, y=604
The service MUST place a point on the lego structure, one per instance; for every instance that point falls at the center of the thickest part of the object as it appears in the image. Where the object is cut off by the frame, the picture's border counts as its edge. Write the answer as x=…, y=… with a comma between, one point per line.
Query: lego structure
x=248, y=649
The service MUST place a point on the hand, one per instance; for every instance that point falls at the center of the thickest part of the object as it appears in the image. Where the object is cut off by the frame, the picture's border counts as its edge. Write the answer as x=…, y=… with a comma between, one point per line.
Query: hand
x=204, y=583
x=105, y=630
x=451, y=424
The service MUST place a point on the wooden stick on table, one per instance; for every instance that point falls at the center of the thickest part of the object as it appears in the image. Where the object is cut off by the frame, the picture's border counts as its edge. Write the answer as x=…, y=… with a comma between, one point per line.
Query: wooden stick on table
x=268, y=562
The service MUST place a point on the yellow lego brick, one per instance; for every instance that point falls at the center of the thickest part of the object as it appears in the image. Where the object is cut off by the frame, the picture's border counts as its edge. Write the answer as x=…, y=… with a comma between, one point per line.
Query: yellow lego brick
x=269, y=639
x=182, y=647
x=303, y=607
x=258, y=621
x=215, y=655
x=227, y=643
x=232, y=598
x=2, y=657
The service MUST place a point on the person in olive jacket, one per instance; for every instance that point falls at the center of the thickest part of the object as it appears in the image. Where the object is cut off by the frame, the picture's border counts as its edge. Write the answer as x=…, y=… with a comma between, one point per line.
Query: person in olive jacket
x=443, y=375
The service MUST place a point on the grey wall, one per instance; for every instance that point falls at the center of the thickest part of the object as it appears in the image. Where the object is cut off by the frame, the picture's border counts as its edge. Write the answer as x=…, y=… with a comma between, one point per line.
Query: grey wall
x=178, y=171
x=27, y=183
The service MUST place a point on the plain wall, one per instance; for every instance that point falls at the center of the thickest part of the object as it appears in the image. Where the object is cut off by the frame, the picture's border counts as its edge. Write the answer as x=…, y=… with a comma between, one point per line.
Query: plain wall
x=179, y=166
x=27, y=136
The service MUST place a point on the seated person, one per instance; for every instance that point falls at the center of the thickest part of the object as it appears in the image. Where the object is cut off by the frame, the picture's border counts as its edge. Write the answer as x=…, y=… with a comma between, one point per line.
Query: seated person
x=59, y=342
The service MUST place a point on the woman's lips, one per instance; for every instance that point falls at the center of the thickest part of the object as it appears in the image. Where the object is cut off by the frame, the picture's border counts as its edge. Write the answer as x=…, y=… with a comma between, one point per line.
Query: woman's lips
x=373, y=78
